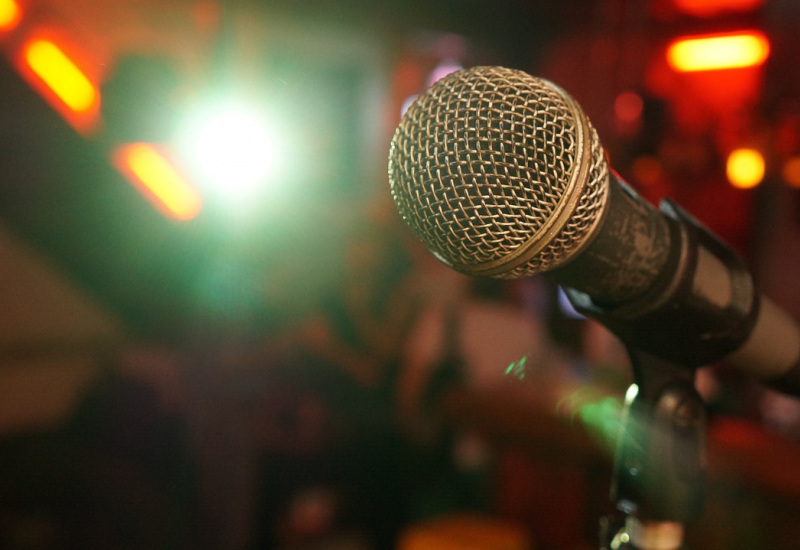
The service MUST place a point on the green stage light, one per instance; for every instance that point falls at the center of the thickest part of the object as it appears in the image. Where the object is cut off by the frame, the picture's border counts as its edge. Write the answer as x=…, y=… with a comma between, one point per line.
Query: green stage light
x=234, y=150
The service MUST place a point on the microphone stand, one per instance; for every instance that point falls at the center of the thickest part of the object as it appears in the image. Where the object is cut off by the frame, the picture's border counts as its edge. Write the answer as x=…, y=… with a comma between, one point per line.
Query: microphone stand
x=660, y=462
x=677, y=326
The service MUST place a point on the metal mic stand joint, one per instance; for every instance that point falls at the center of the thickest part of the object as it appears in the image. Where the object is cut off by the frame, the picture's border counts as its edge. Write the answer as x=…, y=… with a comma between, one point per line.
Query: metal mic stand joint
x=660, y=462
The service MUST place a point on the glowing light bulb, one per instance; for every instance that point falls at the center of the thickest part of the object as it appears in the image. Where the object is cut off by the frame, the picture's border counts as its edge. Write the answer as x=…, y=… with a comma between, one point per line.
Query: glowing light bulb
x=155, y=177
x=61, y=75
x=745, y=168
x=724, y=51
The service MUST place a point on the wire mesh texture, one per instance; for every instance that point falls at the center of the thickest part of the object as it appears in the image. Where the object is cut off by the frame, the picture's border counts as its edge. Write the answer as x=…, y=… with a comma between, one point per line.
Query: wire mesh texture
x=498, y=172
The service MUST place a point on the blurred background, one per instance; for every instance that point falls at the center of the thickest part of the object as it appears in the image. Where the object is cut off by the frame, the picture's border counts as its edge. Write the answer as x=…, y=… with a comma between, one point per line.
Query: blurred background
x=215, y=332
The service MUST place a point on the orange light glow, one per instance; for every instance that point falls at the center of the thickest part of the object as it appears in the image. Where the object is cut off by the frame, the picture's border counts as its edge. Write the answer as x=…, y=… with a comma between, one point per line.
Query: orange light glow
x=61, y=76
x=745, y=168
x=725, y=51
x=10, y=14
x=709, y=8
x=791, y=172
x=155, y=177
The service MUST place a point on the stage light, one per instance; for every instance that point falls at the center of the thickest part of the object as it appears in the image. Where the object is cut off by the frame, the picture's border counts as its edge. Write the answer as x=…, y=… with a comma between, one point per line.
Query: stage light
x=745, y=168
x=156, y=178
x=10, y=14
x=232, y=149
x=715, y=52
x=709, y=8
x=61, y=76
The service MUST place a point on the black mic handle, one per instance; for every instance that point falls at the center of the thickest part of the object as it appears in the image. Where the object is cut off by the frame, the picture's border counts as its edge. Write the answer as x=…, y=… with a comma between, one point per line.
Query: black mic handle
x=630, y=246
x=701, y=307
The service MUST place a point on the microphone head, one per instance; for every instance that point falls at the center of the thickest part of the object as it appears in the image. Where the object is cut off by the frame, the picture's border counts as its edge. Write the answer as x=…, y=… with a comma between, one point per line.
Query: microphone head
x=498, y=173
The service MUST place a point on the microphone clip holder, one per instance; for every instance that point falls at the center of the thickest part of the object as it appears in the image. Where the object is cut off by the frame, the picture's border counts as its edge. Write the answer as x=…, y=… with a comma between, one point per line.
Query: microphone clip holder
x=681, y=323
x=700, y=308
x=660, y=462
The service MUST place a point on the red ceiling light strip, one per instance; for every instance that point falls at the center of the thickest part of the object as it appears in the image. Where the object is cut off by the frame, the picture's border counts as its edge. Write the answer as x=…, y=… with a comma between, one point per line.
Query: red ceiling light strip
x=710, y=8
x=718, y=52
x=61, y=82
x=10, y=15
x=158, y=180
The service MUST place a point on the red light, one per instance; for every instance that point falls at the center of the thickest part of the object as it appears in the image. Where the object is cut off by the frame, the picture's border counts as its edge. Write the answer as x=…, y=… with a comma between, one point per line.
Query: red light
x=61, y=75
x=710, y=8
x=715, y=52
x=61, y=82
x=745, y=168
x=10, y=14
x=155, y=177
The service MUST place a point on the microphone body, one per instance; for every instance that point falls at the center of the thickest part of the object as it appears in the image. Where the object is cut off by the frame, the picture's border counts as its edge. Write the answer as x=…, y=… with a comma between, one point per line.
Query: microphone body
x=701, y=306
x=501, y=174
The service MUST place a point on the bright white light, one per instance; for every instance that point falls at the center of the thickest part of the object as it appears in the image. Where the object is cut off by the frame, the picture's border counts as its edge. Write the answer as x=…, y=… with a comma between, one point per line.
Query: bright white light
x=231, y=147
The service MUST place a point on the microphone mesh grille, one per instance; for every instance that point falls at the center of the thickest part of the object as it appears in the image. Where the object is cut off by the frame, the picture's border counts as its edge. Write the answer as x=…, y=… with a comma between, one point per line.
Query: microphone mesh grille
x=483, y=168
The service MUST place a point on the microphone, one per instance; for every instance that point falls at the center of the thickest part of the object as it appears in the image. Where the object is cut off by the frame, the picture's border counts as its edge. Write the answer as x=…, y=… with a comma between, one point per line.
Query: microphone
x=501, y=174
